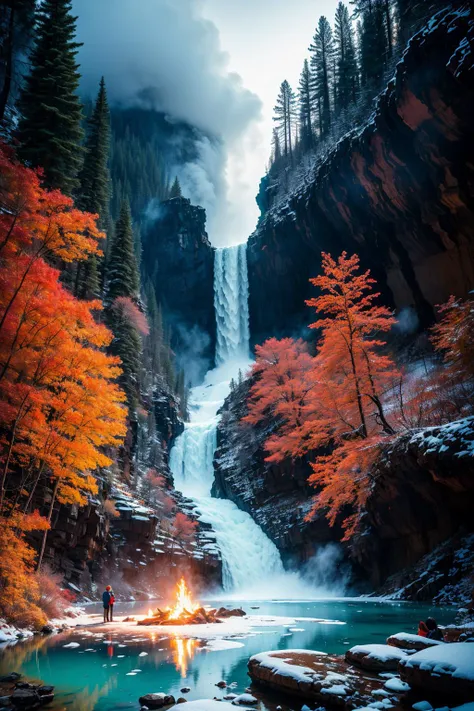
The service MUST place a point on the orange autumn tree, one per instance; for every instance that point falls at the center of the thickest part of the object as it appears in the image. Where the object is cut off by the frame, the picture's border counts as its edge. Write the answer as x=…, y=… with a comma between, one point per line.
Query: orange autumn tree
x=344, y=389
x=353, y=376
x=59, y=402
x=283, y=387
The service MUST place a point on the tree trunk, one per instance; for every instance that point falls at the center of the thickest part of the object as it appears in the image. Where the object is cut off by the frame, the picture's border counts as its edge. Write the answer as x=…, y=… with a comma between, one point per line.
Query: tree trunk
x=45, y=533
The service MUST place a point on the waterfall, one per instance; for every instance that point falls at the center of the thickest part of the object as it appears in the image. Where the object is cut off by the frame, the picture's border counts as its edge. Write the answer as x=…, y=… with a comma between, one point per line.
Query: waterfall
x=248, y=555
x=231, y=303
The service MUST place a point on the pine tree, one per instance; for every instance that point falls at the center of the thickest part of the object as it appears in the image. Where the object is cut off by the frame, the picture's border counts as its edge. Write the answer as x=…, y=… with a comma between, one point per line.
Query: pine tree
x=94, y=194
x=305, y=107
x=373, y=44
x=122, y=278
x=321, y=68
x=50, y=132
x=285, y=117
x=175, y=191
x=89, y=280
x=346, y=78
x=127, y=345
x=276, y=148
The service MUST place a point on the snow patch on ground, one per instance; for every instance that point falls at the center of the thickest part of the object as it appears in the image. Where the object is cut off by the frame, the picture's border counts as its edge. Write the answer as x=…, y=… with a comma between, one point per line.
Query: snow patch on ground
x=10, y=634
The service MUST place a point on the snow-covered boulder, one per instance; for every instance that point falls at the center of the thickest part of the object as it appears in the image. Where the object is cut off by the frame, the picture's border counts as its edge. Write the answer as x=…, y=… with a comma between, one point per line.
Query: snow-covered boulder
x=404, y=640
x=447, y=669
x=314, y=677
x=375, y=657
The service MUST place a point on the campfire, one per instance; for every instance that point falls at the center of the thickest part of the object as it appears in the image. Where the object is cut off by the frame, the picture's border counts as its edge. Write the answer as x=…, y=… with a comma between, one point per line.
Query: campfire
x=187, y=612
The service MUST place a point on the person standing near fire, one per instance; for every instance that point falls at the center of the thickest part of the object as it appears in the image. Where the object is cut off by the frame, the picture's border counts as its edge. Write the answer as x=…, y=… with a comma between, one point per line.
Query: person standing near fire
x=107, y=596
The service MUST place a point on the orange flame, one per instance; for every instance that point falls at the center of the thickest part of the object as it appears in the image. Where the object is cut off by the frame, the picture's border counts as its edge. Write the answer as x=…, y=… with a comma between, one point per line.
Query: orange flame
x=184, y=604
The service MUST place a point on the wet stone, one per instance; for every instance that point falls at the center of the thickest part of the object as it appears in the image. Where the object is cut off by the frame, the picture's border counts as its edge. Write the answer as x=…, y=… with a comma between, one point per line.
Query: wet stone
x=25, y=699
x=156, y=701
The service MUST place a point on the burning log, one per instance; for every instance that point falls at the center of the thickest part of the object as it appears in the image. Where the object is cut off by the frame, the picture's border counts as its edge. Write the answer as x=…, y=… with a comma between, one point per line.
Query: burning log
x=185, y=612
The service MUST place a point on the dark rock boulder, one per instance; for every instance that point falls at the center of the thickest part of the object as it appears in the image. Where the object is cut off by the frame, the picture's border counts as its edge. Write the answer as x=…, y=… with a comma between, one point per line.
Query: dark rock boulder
x=156, y=701
x=25, y=699
x=397, y=192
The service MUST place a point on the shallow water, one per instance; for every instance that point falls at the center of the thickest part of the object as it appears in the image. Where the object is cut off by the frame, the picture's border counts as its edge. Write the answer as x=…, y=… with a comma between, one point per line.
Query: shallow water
x=106, y=670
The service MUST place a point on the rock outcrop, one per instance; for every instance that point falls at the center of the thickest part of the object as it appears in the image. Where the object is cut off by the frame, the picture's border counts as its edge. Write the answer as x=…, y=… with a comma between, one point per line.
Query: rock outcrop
x=398, y=193
x=422, y=495
x=179, y=260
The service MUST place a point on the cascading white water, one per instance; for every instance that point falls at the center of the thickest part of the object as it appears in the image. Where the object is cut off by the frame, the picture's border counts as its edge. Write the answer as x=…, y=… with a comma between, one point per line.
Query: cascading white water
x=231, y=304
x=248, y=555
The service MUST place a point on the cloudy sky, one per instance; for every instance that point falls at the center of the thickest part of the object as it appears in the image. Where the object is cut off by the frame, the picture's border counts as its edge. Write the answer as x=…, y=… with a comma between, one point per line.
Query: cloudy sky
x=216, y=64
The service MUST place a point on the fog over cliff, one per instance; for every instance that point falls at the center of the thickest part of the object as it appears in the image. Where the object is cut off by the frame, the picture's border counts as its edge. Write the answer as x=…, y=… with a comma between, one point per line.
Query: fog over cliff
x=164, y=54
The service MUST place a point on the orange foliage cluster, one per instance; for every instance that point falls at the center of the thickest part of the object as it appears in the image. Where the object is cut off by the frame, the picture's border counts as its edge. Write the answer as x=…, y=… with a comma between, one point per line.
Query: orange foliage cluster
x=346, y=402
x=59, y=403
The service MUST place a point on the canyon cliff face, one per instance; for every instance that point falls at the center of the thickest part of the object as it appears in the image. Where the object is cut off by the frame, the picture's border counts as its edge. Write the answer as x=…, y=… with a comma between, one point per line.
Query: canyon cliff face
x=179, y=260
x=398, y=192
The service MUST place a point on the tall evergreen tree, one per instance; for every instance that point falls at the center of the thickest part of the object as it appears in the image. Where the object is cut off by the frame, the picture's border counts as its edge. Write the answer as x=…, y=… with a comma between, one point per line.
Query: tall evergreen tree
x=321, y=68
x=346, y=79
x=50, y=132
x=284, y=116
x=94, y=193
x=373, y=42
x=127, y=345
x=175, y=190
x=276, y=147
x=305, y=107
x=122, y=277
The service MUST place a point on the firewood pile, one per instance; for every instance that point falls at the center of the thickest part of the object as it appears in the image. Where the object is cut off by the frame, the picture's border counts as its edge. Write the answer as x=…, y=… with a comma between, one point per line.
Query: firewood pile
x=201, y=616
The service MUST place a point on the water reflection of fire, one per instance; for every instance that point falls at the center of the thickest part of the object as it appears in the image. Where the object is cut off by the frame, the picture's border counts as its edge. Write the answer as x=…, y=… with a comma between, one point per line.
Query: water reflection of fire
x=183, y=651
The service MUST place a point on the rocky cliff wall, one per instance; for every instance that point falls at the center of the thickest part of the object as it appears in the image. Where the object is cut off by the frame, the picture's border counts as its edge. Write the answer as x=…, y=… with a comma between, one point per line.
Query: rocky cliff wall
x=399, y=192
x=179, y=260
